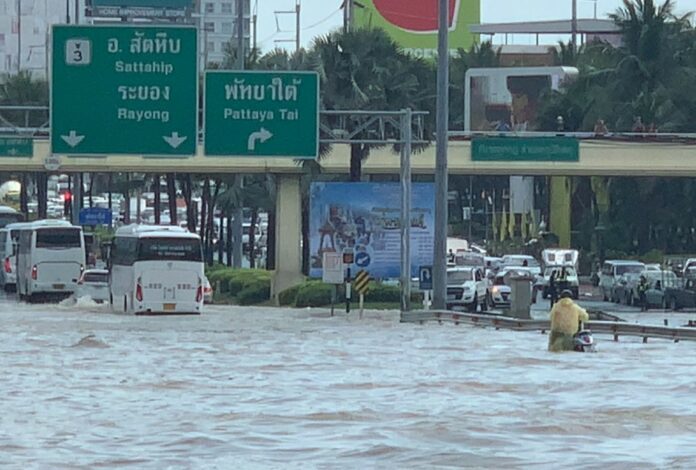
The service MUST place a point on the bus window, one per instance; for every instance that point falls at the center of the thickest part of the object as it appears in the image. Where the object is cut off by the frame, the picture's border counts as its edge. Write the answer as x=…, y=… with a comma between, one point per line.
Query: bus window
x=170, y=249
x=58, y=238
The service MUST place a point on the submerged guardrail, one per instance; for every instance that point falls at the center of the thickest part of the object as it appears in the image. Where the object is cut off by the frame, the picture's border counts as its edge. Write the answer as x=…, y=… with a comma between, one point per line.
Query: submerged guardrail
x=614, y=328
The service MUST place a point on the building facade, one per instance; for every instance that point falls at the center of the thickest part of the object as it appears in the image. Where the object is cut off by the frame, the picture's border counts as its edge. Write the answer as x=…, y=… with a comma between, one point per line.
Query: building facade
x=216, y=21
x=34, y=24
x=217, y=29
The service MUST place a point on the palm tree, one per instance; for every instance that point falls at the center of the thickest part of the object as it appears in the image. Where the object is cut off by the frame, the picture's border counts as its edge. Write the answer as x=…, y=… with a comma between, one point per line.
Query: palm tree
x=366, y=70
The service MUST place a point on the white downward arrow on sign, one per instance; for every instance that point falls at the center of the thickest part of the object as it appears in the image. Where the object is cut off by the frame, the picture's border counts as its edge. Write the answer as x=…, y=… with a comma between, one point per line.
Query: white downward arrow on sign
x=174, y=140
x=72, y=139
x=263, y=135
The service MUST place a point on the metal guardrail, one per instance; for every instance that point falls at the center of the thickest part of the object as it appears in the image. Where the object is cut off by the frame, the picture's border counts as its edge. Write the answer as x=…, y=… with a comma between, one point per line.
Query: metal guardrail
x=614, y=328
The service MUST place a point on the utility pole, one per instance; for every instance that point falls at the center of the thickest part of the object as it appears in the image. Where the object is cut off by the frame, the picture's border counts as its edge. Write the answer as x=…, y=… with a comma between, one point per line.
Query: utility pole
x=574, y=26
x=297, y=25
x=347, y=15
x=405, y=223
x=19, y=36
x=254, y=21
x=240, y=34
x=237, y=227
x=295, y=12
x=440, y=246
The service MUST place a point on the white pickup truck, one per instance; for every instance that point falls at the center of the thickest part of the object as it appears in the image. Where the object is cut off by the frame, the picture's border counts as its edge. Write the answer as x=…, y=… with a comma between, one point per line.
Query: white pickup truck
x=467, y=288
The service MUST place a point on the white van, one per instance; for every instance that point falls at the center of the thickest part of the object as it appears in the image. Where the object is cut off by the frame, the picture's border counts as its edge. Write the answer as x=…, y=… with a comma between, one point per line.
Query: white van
x=9, y=237
x=50, y=258
x=612, y=270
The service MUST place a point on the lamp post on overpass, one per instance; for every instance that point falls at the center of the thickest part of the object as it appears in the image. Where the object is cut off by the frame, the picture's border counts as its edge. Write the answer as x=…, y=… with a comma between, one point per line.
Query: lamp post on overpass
x=440, y=245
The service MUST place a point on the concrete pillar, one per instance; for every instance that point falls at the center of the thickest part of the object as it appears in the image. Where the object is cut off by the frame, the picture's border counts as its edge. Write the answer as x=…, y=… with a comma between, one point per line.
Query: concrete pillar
x=288, y=272
x=560, y=208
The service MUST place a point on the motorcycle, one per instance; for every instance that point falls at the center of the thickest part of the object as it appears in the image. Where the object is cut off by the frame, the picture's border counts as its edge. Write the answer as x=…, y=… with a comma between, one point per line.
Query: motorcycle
x=583, y=340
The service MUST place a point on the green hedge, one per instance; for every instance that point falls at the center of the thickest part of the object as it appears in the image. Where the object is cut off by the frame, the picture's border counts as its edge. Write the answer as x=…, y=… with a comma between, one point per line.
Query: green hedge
x=313, y=294
x=382, y=293
x=246, y=286
x=288, y=297
x=256, y=293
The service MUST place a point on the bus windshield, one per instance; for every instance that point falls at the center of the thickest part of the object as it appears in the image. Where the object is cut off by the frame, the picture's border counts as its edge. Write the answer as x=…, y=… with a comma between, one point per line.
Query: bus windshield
x=58, y=238
x=170, y=249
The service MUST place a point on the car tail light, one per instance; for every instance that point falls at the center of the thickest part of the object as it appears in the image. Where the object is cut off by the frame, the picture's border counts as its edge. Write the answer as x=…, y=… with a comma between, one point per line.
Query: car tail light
x=82, y=268
x=139, y=292
x=199, y=293
x=8, y=265
x=34, y=272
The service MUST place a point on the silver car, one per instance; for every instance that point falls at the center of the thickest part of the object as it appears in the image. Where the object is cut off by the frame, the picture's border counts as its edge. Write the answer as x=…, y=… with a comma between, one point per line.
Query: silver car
x=95, y=284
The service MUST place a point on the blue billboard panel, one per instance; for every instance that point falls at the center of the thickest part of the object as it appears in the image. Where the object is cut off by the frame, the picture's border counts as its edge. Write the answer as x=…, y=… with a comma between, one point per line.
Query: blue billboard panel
x=365, y=218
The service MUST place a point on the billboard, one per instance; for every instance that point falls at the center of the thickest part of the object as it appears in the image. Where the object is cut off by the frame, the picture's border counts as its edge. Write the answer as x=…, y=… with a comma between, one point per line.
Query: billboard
x=413, y=23
x=508, y=98
x=365, y=218
x=172, y=9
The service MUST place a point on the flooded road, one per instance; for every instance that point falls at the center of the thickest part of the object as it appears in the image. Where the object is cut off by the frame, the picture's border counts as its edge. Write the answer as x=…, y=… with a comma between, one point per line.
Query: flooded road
x=260, y=388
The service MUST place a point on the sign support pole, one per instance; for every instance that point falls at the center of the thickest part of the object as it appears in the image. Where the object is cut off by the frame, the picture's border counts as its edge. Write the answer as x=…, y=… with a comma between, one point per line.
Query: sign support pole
x=362, y=304
x=405, y=178
x=348, y=291
x=333, y=298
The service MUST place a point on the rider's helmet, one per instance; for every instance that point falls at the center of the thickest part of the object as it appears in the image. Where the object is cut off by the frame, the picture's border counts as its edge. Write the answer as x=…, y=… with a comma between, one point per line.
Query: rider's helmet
x=566, y=294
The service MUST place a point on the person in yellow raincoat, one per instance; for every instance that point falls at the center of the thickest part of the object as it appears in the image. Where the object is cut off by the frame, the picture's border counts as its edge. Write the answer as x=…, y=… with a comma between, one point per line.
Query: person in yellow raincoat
x=566, y=317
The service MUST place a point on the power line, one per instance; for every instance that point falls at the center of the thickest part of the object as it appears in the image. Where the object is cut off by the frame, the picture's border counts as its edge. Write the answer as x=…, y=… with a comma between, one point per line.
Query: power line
x=322, y=21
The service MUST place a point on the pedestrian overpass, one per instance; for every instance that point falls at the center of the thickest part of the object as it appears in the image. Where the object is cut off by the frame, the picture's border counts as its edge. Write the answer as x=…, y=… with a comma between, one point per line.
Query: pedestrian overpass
x=597, y=157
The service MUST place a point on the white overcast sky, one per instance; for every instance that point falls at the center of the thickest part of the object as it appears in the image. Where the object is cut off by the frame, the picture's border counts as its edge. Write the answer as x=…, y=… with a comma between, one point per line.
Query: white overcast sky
x=321, y=16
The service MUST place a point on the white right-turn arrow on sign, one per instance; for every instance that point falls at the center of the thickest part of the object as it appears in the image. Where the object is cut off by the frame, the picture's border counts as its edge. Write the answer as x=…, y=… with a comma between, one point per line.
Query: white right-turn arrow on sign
x=262, y=135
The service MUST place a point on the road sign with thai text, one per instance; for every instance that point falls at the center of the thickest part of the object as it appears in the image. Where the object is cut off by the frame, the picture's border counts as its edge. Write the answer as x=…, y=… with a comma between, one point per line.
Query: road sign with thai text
x=129, y=90
x=262, y=114
x=14, y=146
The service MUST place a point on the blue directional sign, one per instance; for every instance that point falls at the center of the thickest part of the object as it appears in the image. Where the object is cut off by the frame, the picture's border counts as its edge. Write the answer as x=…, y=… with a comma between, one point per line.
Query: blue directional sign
x=425, y=278
x=92, y=216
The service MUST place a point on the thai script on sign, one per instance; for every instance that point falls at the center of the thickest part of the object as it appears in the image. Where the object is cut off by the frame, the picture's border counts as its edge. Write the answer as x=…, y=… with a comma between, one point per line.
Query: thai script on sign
x=278, y=90
x=141, y=44
x=144, y=93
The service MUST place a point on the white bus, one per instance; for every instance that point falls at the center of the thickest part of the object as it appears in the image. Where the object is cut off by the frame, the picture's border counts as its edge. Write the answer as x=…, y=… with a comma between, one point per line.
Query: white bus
x=9, y=239
x=156, y=269
x=50, y=258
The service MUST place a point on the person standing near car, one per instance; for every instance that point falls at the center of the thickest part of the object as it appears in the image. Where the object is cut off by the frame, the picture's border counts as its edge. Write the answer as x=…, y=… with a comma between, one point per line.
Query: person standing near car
x=642, y=290
x=553, y=288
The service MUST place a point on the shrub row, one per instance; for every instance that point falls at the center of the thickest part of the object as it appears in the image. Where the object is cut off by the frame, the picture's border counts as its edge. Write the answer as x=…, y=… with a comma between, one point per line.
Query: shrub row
x=245, y=286
x=313, y=293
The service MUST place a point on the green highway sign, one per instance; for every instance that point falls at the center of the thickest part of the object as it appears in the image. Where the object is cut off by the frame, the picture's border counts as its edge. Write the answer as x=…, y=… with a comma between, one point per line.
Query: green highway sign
x=516, y=149
x=130, y=90
x=13, y=146
x=262, y=114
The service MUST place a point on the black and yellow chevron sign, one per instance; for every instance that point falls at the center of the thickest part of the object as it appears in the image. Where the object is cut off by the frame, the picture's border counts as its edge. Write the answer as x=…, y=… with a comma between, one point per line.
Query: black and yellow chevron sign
x=361, y=282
